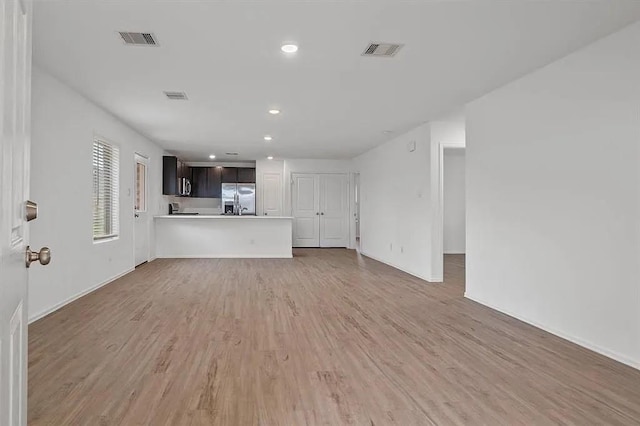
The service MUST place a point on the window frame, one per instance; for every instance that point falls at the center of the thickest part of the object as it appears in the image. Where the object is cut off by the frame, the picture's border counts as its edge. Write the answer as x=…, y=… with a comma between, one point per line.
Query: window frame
x=141, y=159
x=114, y=191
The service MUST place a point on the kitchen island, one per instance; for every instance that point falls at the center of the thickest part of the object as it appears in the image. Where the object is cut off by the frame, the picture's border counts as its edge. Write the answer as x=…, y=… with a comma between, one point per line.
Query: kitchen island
x=222, y=236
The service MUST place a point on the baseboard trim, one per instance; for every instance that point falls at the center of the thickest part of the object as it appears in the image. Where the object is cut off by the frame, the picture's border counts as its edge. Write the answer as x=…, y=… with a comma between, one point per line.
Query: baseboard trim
x=580, y=342
x=430, y=280
x=229, y=256
x=65, y=302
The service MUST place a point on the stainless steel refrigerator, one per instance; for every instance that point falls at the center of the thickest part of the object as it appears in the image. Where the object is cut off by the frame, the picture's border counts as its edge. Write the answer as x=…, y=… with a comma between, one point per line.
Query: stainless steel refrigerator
x=239, y=198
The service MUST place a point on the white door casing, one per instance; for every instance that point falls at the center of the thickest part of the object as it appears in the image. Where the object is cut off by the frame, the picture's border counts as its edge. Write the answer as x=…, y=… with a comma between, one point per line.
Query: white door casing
x=272, y=194
x=141, y=223
x=334, y=210
x=15, y=109
x=306, y=210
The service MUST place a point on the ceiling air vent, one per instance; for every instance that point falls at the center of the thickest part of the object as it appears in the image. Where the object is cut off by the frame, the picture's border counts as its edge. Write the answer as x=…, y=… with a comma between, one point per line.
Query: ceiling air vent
x=139, y=39
x=387, y=50
x=176, y=96
x=231, y=153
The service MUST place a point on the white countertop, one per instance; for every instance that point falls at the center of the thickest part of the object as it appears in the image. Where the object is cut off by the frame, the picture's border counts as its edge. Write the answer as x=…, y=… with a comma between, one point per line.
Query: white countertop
x=218, y=216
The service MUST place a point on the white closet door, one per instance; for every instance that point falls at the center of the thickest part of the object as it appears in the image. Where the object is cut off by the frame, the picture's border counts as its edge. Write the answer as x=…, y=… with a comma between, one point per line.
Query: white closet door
x=272, y=194
x=306, y=207
x=334, y=210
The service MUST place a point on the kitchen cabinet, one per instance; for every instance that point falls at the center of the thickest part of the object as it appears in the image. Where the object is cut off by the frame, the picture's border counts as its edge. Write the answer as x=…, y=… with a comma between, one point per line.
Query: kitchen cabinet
x=184, y=171
x=169, y=175
x=246, y=175
x=173, y=170
x=229, y=175
x=238, y=175
x=206, y=182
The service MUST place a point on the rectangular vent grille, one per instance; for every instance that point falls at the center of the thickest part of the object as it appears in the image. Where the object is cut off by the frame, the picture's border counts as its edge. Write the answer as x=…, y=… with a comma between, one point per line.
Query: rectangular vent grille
x=176, y=96
x=138, y=39
x=231, y=153
x=387, y=50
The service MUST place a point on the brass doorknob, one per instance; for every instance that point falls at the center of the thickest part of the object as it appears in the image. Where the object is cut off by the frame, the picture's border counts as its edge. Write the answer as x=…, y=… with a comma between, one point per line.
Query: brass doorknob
x=43, y=256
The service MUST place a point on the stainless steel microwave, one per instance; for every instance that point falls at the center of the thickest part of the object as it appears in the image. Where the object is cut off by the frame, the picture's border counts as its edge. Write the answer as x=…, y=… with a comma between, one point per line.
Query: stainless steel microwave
x=184, y=187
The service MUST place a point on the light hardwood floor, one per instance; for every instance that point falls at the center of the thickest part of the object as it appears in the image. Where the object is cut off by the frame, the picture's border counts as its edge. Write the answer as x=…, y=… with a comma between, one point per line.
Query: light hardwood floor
x=328, y=337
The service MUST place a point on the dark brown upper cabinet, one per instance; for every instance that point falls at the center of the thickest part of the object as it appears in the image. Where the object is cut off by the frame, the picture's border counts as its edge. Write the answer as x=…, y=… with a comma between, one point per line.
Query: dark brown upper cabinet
x=246, y=175
x=172, y=170
x=206, y=182
x=169, y=175
x=229, y=175
x=184, y=171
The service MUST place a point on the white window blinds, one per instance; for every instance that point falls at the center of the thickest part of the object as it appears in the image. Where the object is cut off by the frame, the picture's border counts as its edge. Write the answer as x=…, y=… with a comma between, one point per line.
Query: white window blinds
x=106, y=195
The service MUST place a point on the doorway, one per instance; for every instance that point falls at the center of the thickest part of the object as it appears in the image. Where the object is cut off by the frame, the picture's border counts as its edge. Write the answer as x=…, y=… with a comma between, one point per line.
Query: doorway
x=140, y=213
x=356, y=203
x=438, y=149
x=454, y=216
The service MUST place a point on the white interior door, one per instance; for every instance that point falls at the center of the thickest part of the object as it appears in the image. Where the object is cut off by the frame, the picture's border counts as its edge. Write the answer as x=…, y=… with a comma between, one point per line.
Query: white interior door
x=306, y=214
x=141, y=215
x=272, y=194
x=15, y=107
x=334, y=210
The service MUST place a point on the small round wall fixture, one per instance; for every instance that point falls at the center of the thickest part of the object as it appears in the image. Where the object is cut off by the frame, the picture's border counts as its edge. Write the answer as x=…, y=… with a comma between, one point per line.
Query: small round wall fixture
x=212, y=156
x=268, y=138
x=289, y=48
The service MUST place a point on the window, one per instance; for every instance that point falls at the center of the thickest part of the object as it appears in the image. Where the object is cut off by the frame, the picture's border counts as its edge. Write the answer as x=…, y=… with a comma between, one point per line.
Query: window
x=106, y=194
x=141, y=184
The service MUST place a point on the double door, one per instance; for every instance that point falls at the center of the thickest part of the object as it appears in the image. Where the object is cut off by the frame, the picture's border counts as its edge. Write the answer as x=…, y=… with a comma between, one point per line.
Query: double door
x=320, y=207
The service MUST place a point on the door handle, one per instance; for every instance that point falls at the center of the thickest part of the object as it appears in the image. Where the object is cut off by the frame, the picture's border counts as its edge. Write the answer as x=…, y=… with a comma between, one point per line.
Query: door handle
x=317, y=213
x=322, y=214
x=136, y=215
x=43, y=256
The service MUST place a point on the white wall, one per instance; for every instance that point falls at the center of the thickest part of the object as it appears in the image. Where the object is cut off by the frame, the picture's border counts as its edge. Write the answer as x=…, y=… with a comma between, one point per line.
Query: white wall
x=454, y=200
x=398, y=198
x=553, y=197
x=395, y=210
x=63, y=127
x=196, y=205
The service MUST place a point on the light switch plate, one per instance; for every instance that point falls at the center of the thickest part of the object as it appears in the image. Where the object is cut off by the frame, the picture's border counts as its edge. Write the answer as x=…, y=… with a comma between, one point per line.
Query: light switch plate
x=411, y=146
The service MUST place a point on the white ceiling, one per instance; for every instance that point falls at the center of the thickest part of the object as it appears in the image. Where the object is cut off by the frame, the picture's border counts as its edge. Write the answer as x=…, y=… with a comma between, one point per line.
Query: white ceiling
x=335, y=103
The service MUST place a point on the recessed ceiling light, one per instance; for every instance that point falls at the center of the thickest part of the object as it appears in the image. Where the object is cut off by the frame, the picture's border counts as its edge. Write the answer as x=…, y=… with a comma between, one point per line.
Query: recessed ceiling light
x=268, y=138
x=212, y=156
x=274, y=111
x=289, y=48
x=269, y=158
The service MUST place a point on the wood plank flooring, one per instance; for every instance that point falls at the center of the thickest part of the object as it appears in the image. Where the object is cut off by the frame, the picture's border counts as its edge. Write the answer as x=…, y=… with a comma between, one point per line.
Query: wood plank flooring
x=326, y=338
